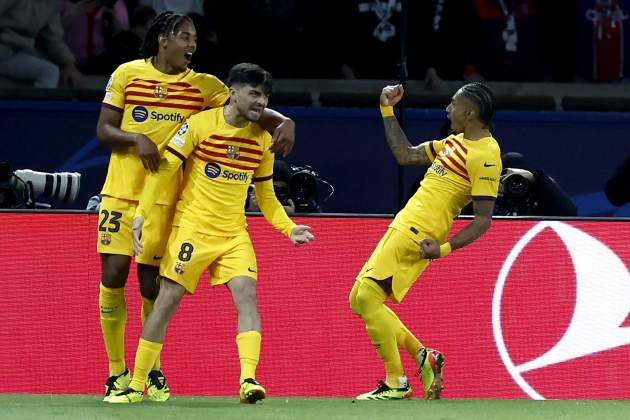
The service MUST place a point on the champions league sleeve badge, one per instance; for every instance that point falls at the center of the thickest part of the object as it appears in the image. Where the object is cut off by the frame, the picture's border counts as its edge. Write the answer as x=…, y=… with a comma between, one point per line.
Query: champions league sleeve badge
x=183, y=129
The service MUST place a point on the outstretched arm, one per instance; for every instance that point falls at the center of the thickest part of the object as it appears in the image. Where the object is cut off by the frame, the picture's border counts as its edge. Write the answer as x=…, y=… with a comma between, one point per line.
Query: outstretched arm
x=483, y=208
x=277, y=216
x=403, y=151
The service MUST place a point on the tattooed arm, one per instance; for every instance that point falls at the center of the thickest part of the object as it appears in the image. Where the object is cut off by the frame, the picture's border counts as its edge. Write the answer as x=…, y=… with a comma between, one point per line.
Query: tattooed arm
x=403, y=151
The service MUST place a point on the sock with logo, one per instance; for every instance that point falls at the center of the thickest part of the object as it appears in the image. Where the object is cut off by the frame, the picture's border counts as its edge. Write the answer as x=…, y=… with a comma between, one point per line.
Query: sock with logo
x=382, y=328
x=146, y=354
x=404, y=337
x=147, y=307
x=113, y=310
x=248, y=344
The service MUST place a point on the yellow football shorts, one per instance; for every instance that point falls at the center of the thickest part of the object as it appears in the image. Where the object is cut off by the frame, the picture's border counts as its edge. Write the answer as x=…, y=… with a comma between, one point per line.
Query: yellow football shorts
x=396, y=256
x=114, y=230
x=189, y=253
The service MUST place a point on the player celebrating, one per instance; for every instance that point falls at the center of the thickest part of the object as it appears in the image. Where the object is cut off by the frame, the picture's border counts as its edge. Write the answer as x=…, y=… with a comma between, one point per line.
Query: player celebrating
x=224, y=150
x=464, y=166
x=145, y=102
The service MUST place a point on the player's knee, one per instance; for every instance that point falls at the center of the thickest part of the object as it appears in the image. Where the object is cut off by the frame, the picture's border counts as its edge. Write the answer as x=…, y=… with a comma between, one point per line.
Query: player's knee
x=147, y=278
x=352, y=298
x=115, y=271
x=365, y=301
x=359, y=304
x=149, y=290
x=243, y=291
x=171, y=294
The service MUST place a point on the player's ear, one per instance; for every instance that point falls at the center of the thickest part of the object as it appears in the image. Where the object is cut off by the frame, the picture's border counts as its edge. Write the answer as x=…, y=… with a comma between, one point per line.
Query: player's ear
x=471, y=114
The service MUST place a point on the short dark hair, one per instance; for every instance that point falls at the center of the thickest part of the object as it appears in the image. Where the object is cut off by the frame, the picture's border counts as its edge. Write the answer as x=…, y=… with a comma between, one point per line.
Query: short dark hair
x=166, y=23
x=250, y=74
x=483, y=97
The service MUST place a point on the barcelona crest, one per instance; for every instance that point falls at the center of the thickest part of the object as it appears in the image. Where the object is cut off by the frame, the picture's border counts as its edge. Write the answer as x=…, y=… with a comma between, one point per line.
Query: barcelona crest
x=232, y=152
x=179, y=268
x=160, y=91
x=106, y=238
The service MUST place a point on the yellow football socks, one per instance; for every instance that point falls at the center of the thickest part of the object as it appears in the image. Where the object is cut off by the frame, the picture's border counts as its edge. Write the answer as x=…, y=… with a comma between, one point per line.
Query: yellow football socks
x=113, y=319
x=381, y=327
x=404, y=337
x=147, y=307
x=248, y=344
x=146, y=354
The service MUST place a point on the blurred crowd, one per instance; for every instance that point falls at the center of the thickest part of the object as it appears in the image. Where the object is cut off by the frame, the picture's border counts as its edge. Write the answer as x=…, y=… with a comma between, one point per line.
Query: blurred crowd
x=48, y=43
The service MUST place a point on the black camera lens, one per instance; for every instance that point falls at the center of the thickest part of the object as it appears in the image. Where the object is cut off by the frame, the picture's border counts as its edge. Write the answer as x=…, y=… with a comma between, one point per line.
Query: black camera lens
x=516, y=186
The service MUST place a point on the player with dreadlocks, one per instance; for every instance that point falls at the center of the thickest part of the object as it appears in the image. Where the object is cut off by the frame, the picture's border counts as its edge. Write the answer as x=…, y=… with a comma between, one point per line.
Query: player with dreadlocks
x=146, y=101
x=464, y=166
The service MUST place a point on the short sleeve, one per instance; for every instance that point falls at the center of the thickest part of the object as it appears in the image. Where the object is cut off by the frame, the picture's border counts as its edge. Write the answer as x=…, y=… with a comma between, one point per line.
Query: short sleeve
x=484, y=170
x=432, y=148
x=215, y=92
x=265, y=169
x=115, y=90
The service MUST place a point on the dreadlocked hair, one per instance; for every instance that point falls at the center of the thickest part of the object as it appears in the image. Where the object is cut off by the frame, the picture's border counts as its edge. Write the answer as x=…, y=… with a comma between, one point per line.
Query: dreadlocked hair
x=166, y=23
x=483, y=97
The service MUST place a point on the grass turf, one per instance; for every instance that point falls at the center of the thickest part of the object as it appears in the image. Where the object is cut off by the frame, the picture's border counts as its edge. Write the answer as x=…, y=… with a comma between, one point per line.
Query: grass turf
x=85, y=407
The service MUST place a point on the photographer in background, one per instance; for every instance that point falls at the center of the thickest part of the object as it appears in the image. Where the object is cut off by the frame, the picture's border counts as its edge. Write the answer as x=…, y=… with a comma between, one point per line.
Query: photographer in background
x=529, y=192
x=296, y=188
x=281, y=177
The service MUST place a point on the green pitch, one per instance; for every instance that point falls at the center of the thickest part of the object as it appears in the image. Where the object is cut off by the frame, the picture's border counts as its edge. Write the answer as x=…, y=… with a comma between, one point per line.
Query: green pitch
x=86, y=407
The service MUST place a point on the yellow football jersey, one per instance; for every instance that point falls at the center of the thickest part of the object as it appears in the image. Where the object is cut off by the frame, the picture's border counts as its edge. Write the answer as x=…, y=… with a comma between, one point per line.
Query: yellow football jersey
x=221, y=161
x=154, y=104
x=461, y=169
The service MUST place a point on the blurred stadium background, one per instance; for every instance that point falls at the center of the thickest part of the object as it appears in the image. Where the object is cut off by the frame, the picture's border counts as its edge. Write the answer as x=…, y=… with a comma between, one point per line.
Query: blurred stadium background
x=560, y=76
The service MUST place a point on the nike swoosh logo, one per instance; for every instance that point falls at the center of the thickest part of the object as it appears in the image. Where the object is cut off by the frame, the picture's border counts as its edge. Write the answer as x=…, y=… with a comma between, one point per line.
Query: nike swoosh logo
x=107, y=311
x=369, y=269
x=155, y=257
x=487, y=165
x=250, y=270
